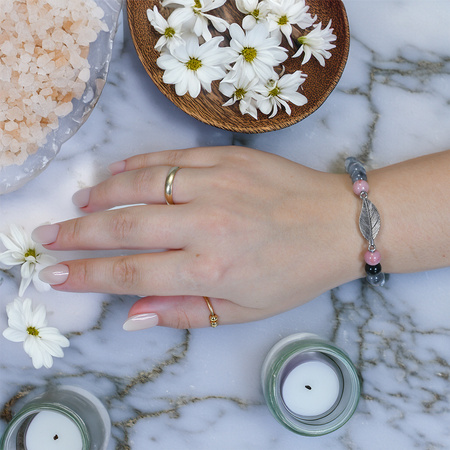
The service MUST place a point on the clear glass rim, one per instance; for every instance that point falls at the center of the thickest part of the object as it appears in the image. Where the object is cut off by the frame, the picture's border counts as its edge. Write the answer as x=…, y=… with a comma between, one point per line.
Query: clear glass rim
x=34, y=408
x=272, y=372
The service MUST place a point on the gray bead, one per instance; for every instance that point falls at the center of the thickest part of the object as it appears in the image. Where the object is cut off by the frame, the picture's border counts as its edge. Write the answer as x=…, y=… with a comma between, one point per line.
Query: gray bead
x=358, y=174
x=355, y=167
x=350, y=161
x=376, y=280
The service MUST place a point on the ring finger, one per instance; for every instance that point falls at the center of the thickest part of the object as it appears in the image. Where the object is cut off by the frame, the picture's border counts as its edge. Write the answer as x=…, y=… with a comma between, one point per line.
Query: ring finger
x=141, y=186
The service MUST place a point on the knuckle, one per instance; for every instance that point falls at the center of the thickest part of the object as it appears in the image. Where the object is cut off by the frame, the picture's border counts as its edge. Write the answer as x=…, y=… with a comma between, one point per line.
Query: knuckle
x=204, y=273
x=80, y=273
x=141, y=182
x=219, y=221
x=174, y=157
x=72, y=234
x=125, y=274
x=241, y=156
x=121, y=226
x=181, y=319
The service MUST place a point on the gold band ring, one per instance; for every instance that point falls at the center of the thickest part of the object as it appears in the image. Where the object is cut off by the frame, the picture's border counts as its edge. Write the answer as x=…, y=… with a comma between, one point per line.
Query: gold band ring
x=213, y=318
x=168, y=186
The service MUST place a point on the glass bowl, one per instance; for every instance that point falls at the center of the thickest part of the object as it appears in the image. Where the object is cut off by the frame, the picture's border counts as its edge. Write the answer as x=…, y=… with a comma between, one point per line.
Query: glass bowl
x=13, y=176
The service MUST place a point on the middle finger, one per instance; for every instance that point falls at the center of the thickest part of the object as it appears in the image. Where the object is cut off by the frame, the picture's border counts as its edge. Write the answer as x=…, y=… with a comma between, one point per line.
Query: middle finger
x=135, y=227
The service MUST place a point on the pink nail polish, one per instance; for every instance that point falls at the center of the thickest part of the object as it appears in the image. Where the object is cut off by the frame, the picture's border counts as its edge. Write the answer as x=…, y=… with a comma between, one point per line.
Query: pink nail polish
x=45, y=234
x=117, y=167
x=56, y=274
x=140, y=322
x=81, y=198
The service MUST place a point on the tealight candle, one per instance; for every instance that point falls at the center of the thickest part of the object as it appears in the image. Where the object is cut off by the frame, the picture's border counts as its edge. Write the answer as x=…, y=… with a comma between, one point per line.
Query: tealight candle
x=62, y=418
x=51, y=430
x=310, y=386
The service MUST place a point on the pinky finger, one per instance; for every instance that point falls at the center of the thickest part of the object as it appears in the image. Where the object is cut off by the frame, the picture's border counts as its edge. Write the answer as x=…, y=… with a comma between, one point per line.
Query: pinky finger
x=184, y=312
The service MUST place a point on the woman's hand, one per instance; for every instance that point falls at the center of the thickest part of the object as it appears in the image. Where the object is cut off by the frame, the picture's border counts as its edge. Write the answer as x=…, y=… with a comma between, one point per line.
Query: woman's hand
x=256, y=233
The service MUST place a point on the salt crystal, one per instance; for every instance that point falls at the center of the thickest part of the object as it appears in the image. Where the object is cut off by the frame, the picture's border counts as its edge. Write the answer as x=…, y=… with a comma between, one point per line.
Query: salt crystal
x=7, y=48
x=48, y=44
x=63, y=109
x=84, y=75
x=26, y=79
x=11, y=125
x=5, y=74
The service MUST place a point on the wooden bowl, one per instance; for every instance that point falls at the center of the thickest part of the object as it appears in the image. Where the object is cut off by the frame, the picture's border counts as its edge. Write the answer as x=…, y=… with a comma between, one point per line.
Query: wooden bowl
x=207, y=107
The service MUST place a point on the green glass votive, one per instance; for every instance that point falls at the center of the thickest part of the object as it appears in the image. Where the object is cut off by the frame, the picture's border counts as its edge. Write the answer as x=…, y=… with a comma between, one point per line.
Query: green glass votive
x=62, y=418
x=310, y=386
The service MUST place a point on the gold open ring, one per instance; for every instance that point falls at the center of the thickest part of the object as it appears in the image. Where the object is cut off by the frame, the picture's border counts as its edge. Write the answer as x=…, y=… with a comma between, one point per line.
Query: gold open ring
x=213, y=318
x=168, y=186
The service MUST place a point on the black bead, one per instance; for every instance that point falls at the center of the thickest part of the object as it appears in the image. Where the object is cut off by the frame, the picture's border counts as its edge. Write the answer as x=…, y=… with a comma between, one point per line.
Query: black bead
x=373, y=270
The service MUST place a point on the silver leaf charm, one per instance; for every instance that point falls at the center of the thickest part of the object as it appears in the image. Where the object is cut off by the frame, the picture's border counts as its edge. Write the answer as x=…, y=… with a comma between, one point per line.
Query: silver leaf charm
x=369, y=220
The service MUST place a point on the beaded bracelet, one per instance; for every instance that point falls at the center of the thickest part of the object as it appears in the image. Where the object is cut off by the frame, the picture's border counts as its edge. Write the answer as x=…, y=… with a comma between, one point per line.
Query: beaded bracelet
x=369, y=221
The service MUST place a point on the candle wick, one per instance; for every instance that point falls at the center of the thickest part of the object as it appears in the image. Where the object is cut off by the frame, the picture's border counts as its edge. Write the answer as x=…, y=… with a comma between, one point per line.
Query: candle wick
x=55, y=437
x=308, y=387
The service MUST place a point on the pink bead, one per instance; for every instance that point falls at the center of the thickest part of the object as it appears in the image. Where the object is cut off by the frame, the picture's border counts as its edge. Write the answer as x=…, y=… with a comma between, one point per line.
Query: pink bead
x=372, y=258
x=359, y=186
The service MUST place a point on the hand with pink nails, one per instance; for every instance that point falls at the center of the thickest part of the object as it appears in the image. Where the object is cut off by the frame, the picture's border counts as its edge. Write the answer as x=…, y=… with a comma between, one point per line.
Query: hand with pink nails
x=254, y=232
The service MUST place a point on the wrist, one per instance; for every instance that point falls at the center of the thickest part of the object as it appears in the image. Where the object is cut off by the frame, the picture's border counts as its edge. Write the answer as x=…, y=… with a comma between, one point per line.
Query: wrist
x=351, y=242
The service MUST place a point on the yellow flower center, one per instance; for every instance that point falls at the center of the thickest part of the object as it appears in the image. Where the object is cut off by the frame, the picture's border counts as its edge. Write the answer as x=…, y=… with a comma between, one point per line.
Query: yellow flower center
x=255, y=13
x=197, y=5
x=194, y=64
x=30, y=252
x=240, y=93
x=283, y=20
x=33, y=331
x=169, y=32
x=249, y=54
x=275, y=91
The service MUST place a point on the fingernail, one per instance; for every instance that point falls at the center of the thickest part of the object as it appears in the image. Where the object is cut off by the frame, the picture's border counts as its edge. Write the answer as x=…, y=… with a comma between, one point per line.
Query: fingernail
x=140, y=322
x=117, y=167
x=81, y=198
x=45, y=234
x=56, y=274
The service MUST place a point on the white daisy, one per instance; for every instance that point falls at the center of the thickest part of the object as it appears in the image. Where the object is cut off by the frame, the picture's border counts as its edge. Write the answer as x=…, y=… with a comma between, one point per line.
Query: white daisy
x=21, y=250
x=192, y=66
x=243, y=91
x=317, y=43
x=285, y=13
x=170, y=29
x=193, y=14
x=29, y=326
x=279, y=91
x=254, y=52
x=254, y=11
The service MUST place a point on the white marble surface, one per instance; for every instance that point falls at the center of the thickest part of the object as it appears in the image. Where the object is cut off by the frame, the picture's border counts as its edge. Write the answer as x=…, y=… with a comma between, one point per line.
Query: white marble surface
x=174, y=389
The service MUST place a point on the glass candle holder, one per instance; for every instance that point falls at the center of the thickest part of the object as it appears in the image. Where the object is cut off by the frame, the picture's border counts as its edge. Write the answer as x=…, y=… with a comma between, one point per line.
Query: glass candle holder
x=310, y=386
x=62, y=418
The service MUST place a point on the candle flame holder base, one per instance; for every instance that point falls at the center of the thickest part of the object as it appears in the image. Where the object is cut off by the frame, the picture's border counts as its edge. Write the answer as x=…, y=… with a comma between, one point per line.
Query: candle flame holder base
x=296, y=351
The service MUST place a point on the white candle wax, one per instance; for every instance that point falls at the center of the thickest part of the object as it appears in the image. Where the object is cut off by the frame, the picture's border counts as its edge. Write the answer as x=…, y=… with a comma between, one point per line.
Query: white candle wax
x=51, y=430
x=311, y=389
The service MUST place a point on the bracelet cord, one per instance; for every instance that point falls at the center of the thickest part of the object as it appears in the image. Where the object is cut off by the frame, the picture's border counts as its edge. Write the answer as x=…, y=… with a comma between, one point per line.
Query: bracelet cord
x=369, y=221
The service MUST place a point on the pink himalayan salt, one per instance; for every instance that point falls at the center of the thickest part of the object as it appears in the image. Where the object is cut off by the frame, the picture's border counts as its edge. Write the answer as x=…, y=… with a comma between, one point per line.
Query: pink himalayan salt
x=44, y=45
